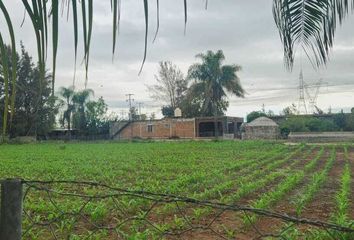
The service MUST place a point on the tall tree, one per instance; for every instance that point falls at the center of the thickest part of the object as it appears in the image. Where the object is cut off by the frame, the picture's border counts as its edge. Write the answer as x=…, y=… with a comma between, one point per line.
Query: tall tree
x=212, y=82
x=96, y=120
x=67, y=93
x=33, y=104
x=80, y=99
x=170, y=86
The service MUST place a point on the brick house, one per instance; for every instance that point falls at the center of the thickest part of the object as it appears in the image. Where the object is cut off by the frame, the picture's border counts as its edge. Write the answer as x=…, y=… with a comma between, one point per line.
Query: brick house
x=183, y=128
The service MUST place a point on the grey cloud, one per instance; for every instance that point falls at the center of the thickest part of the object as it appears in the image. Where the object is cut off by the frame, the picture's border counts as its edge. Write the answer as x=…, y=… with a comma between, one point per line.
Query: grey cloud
x=245, y=30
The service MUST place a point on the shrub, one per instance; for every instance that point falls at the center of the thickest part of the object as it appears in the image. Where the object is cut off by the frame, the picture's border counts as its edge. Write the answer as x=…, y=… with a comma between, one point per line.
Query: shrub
x=254, y=115
x=306, y=124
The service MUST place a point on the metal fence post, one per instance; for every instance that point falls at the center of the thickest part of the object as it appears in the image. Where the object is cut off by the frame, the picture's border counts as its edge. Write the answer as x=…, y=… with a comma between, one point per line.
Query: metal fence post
x=11, y=210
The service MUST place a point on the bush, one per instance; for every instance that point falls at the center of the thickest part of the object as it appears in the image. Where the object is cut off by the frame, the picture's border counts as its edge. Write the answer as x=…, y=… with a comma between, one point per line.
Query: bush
x=317, y=125
x=254, y=115
x=307, y=124
x=349, y=122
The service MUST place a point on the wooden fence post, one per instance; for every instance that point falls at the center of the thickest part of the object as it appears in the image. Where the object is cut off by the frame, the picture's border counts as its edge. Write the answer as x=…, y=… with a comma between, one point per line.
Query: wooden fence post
x=11, y=210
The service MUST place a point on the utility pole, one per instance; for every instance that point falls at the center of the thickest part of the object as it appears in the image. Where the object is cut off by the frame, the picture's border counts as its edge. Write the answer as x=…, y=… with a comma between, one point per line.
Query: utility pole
x=130, y=100
x=122, y=113
x=139, y=107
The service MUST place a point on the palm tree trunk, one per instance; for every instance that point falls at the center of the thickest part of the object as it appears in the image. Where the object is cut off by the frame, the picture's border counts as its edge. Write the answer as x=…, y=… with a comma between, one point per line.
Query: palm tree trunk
x=69, y=120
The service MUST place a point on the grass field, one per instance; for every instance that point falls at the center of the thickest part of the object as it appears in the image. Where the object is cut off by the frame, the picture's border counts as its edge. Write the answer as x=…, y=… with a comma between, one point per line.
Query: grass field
x=310, y=181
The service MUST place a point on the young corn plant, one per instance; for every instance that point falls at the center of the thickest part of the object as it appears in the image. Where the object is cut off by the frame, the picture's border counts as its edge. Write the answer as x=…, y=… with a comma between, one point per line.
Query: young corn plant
x=312, y=188
x=340, y=216
x=251, y=172
x=252, y=182
x=289, y=183
x=343, y=195
x=316, y=182
x=274, y=196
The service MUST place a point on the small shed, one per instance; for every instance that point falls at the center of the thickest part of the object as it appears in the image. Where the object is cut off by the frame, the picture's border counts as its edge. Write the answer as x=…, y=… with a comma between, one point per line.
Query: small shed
x=261, y=128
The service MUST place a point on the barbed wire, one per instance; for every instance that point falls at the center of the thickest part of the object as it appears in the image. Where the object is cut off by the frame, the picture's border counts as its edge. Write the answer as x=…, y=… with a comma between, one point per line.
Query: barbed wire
x=138, y=211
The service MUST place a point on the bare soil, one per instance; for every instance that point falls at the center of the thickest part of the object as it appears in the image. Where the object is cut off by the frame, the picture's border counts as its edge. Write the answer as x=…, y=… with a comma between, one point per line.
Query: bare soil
x=270, y=225
x=320, y=208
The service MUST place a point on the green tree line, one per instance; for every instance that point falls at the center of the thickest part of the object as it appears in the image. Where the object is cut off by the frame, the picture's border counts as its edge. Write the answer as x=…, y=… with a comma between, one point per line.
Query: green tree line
x=35, y=111
x=81, y=112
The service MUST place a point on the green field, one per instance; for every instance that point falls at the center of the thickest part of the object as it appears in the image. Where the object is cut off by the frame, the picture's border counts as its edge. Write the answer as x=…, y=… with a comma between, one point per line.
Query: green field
x=315, y=182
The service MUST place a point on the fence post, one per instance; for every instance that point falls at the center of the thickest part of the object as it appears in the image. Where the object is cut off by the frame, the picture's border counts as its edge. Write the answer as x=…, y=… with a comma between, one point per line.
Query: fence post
x=11, y=209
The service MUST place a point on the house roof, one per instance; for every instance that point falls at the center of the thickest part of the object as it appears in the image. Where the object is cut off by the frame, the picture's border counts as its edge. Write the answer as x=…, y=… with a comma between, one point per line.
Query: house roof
x=262, y=121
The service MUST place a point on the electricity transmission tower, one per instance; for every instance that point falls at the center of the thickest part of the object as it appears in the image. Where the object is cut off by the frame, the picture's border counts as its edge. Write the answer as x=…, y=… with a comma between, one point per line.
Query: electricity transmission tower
x=312, y=91
x=313, y=97
x=301, y=108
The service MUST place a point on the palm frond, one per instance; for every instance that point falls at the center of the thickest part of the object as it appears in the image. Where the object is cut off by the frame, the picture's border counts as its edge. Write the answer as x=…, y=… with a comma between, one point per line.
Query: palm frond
x=309, y=25
x=231, y=81
x=5, y=61
x=76, y=33
x=185, y=16
x=13, y=59
x=114, y=6
x=146, y=12
x=55, y=29
x=157, y=19
x=87, y=19
x=38, y=29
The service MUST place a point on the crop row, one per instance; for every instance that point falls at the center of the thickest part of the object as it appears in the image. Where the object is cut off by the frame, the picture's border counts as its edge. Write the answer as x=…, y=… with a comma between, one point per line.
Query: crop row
x=343, y=195
x=315, y=184
x=258, y=180
x=253, y=172
x=340, y=216
x=285, y=186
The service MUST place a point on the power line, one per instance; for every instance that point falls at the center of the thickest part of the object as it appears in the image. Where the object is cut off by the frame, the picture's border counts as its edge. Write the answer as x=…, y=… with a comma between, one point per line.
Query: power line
x=296, y=87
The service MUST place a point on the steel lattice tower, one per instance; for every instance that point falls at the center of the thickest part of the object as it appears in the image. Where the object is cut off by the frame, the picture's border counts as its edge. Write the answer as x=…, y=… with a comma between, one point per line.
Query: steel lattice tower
x=301, y=108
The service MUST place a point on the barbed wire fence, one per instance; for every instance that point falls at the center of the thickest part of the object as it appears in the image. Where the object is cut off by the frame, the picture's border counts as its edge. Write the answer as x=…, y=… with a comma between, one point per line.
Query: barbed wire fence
x=90, y=210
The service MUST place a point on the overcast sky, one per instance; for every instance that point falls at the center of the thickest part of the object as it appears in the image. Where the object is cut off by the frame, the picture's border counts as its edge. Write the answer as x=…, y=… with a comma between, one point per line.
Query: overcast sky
x=244, y=30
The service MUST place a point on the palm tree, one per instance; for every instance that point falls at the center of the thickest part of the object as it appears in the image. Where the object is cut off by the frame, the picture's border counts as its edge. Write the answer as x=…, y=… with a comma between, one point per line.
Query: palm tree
x=67, y=94
x=80, y=99
x=212, y=82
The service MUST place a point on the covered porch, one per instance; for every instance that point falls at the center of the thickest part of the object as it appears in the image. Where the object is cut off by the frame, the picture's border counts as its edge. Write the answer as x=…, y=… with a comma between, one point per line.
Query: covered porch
x=222, y=126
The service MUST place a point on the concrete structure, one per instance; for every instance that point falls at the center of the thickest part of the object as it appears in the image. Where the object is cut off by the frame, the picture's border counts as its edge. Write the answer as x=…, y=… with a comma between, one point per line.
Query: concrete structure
x=321, y=137
x=260, y=128
x=184, y=128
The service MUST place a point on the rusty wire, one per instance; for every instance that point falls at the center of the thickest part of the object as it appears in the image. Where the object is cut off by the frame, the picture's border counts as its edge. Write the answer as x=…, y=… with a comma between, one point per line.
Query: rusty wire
x=145, y=216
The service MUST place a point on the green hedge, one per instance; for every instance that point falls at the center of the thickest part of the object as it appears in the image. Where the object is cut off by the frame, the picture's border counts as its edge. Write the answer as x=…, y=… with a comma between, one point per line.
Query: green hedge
x=307, y=124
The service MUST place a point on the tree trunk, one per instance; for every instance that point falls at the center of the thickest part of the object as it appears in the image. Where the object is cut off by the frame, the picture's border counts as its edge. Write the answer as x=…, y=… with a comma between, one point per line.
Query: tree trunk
x=216, y=129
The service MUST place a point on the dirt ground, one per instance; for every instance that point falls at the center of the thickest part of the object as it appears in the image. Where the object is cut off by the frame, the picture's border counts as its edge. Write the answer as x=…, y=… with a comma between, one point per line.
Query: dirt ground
x=230, y=225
